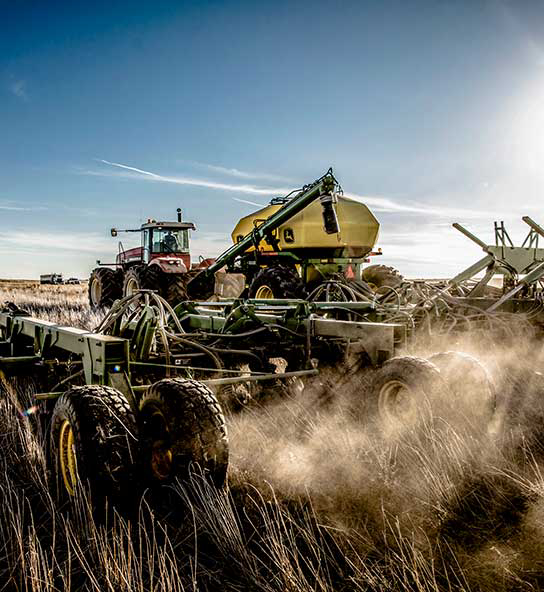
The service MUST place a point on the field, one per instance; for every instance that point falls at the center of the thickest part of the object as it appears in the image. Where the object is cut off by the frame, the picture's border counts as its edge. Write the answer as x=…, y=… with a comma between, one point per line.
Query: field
x=317, y=500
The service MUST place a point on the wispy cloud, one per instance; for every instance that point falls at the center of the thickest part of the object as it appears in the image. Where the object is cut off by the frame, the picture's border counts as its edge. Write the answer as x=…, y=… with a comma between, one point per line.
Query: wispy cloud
x=40, y=241
x=387, y=205
x=136, y=173
x=247, y=201
x=376, y=203
x=232, y=172
x=18, y=88
x=9, y=207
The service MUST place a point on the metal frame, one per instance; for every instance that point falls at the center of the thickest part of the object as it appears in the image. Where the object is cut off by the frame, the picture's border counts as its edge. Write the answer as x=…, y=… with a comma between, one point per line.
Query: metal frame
x=127, y=359
x=503, y=258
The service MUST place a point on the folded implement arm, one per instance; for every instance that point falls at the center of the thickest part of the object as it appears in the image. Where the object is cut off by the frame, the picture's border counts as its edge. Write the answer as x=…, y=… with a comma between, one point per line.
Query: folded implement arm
x=503, y=258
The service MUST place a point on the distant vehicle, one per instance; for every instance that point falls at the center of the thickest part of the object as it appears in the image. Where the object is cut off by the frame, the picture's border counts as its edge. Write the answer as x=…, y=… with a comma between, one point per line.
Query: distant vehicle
x=72, y=281
x=51, y=278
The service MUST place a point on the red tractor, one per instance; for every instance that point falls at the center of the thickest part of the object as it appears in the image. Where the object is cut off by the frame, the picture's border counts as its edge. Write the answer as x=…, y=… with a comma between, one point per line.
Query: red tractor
x=161, y=264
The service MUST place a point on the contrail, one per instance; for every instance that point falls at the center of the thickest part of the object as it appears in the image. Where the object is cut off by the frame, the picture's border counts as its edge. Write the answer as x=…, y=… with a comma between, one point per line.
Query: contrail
x=252, y=189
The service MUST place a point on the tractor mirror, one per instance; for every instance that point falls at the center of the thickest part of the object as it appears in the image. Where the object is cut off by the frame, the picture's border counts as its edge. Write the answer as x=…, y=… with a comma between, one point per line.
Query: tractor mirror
x=114, y=231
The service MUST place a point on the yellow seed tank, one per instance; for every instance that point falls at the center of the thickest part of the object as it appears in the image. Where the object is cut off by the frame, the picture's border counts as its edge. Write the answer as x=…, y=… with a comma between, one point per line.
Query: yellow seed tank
x=303, y=235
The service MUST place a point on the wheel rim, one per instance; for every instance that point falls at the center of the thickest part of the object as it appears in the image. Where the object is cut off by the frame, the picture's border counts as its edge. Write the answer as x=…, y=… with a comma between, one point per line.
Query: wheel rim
x=67, y=457
x=264, y=293
x=161, y=458
x=397, y=403
x=132, y=286
x=96, y=291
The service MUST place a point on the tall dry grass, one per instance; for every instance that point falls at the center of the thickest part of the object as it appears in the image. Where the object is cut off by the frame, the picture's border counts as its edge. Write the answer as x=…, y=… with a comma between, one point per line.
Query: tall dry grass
x=68, y=305
x=316, y=501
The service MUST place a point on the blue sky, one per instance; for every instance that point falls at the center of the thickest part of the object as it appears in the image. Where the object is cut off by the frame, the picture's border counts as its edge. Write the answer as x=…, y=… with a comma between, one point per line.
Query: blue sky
x=112, y=112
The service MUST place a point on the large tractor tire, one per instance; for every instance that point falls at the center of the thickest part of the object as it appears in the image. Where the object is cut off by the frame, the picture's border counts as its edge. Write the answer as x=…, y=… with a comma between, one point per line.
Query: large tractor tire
x=135, y=279
x=104, y=287
x=171, y=286
x=277, y=281
x=404, y=392
x=94, y=438
x=181, y=427
x=382, y=276
x=473, y=391
x=174, y=288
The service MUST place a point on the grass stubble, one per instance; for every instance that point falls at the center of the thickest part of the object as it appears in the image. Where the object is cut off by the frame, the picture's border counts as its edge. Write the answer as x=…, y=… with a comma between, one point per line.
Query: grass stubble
x=316, y=500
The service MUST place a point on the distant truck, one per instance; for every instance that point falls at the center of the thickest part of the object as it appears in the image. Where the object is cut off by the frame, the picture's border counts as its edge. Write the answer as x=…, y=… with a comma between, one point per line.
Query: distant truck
x=51, y=278
x=72, y=280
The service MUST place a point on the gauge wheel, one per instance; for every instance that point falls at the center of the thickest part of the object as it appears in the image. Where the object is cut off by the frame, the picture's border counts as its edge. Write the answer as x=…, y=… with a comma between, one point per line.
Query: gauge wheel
x=182, y=428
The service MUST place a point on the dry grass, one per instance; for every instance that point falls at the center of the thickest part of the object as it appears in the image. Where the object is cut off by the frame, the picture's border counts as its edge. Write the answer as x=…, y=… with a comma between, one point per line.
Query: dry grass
x=316, y=501
x=68, y=305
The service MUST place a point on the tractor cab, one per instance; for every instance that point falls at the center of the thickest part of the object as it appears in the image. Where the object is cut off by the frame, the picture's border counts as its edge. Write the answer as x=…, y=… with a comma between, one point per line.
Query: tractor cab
x=170, y=239
x=160, y=263
x=161, y=242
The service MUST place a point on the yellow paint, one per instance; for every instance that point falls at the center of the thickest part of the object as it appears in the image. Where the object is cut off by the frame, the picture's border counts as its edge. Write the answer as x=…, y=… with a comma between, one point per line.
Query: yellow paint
x=357, y=237
x=264, y=293
x=67, y=457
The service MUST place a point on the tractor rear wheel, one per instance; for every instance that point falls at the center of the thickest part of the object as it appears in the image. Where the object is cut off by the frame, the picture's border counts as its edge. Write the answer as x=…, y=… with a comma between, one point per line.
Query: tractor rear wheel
x=277, y=281
x=93, y=438
x=382, y=276
x=182, y=425
x=404, y=392
x=104, y=287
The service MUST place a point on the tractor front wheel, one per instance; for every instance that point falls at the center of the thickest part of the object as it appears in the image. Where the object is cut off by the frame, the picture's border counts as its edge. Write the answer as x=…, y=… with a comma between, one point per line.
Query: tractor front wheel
x=104, y=287
x=182, y=426
x=278, y=281
x=93, y=438
x=174, y=288
x=134, y=281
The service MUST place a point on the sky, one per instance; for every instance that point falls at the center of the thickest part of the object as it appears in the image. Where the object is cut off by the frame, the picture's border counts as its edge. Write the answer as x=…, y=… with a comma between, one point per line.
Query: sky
x=113, y=112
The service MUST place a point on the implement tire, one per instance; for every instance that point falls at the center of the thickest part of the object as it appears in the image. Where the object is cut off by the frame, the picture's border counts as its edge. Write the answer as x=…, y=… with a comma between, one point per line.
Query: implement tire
x=473, y=391
x=382, y=276
x=278, y=281
x=181, y=425
x=404, y=392
x=93, y=438
x=105, y=287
